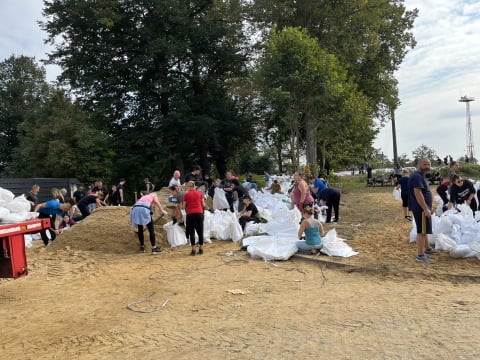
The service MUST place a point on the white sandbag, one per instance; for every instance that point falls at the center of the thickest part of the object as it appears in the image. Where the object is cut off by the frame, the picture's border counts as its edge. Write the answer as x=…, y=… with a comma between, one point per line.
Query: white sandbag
x=6, y=195
x=461, y=251
x=270, y=248
x=28, y=240
x=175, y=234
x=220, y=200
x=397, y=195
x=444, y=242
x=442, y=225
x=19, y=204
x=334, y=246
x=252, y=229
x=3, y=212
x=15, y=217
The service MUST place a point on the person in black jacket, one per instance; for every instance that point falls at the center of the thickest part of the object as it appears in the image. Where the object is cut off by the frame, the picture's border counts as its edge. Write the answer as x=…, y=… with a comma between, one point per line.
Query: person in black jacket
x=330, y=197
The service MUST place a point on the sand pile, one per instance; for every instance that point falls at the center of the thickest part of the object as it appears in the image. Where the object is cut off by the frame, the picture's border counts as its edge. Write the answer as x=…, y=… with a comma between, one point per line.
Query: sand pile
x=108, y=229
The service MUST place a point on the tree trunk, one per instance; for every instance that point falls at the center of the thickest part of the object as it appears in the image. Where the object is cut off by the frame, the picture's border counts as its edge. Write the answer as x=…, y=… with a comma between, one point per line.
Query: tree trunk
x=311, y=140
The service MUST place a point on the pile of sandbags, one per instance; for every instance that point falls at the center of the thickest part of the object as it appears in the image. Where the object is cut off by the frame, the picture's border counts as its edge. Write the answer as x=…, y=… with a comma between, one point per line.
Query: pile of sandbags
x=14, y=209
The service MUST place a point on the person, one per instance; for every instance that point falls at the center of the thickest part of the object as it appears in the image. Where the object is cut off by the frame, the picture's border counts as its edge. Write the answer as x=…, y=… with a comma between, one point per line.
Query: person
x=66, y=223
x=317, y=185
x=402, y=184
x=397, y=170
x=268, y=180
x=148, y=185
x=211, y=189
x=79, y=193
x=175, y=180
x=276, y=188
x=208, y=180
x=330, y=197
x=32, y=196
x=195, y=176
x=443, y=192
x=194, y=203
x=435, y=178
x=98, y=187
x=249, y=212
x=141, y=215
x=238, y=192
x=420, y=204
x=51, y=209
x=176, y=198
x=121, y=192
x=114, y=196
x=83, y=205
x=301, y=195
x=462, y=191
x=454, y=167
x=227, y=186
x=313, y=230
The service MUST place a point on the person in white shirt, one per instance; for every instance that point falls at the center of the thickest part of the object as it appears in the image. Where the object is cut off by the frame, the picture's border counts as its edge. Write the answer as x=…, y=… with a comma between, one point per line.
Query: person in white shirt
x=175, y=180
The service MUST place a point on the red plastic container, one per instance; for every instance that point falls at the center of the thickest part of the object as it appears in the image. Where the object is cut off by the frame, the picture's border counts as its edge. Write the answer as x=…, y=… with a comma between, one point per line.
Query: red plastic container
x=13, y=260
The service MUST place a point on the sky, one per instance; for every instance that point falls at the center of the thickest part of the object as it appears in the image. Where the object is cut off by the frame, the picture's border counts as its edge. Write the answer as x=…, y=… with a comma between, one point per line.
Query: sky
x=444, y=66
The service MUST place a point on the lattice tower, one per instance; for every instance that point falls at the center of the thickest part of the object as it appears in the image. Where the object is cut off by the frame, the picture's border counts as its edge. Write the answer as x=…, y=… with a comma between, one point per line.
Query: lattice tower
x=469, y=136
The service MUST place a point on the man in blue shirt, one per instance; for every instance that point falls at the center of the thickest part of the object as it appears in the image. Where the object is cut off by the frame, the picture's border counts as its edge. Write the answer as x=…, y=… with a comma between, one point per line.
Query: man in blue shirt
x=420, y=203
x=316, y=185
x=52, y=209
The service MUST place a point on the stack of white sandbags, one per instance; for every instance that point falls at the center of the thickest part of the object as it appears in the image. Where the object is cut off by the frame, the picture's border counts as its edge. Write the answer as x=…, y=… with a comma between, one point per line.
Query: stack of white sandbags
x=455, y=231
x=15, y=210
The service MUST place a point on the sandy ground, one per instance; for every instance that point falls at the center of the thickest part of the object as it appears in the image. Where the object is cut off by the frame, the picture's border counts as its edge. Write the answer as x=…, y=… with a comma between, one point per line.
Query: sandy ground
x=90, y=295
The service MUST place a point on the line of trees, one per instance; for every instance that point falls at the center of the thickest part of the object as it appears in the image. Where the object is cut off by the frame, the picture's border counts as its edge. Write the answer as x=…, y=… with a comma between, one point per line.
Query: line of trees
x=152, y=85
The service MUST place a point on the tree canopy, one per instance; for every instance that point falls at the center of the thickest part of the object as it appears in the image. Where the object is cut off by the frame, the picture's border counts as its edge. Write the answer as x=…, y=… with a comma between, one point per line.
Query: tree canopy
x=154, y=85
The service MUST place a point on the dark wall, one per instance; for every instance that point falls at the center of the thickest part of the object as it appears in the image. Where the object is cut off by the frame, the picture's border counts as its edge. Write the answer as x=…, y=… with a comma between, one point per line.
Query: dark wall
x=23, y=185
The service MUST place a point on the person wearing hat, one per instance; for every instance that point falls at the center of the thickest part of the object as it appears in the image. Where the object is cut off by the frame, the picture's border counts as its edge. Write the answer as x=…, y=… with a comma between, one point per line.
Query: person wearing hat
x=195, y=176
x=249, y=212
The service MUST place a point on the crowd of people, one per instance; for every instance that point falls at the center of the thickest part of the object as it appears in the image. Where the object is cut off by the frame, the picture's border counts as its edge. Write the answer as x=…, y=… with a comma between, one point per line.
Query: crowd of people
x=191, y=196
x=417, y=199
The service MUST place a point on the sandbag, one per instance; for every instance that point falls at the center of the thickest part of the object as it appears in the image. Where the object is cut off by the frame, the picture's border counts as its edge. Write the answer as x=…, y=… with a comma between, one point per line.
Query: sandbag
x=220, y=200
x=270, y=248
x=334, y=246
x=397, y=195
x=175, y=234
x=18, y=205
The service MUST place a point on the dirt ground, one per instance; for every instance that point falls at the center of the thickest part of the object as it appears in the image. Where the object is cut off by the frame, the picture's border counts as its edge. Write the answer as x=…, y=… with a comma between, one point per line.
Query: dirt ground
x=91, y=295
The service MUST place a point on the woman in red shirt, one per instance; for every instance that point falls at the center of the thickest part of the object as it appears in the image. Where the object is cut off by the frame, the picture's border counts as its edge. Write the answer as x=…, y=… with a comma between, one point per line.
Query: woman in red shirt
x=194, y=203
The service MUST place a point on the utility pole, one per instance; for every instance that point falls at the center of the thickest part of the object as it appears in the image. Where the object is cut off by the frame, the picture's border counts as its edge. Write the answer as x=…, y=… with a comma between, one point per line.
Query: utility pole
x=469, y=136
x=394, y=137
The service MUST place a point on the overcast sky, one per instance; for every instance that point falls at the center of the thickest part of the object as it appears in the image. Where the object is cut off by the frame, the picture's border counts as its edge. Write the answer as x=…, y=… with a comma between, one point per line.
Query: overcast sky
x=444, y=66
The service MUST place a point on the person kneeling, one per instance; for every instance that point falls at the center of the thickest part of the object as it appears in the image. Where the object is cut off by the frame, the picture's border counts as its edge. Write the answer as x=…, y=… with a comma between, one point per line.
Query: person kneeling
x=249, y=212
x=313, y=233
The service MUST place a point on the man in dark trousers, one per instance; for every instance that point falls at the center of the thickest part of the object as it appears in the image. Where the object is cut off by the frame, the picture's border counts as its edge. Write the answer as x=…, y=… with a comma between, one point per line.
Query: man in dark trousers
x=330, y=197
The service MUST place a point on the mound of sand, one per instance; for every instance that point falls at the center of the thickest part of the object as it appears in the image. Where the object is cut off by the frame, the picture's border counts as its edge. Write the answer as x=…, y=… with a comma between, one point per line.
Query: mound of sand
x=109, y=230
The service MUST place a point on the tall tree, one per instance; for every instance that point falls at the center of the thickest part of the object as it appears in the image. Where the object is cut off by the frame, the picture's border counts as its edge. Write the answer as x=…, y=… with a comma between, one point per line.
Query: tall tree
x=23, y=91
x=319, y=97
x=369, y=38
x=155, y=69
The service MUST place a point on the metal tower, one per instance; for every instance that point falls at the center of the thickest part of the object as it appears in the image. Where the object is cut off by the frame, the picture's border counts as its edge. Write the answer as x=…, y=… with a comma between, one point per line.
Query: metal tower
x=470, y=151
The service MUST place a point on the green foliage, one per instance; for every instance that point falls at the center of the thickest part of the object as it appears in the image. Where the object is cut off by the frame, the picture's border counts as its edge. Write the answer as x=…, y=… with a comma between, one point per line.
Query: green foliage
x=60, y=143
x=23, y=91
x=164, y=67
x=424, y=151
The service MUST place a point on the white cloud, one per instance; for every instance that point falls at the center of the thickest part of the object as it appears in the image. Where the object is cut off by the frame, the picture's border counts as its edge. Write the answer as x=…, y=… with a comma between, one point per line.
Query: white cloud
x=20, y=33
x=444, y=66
